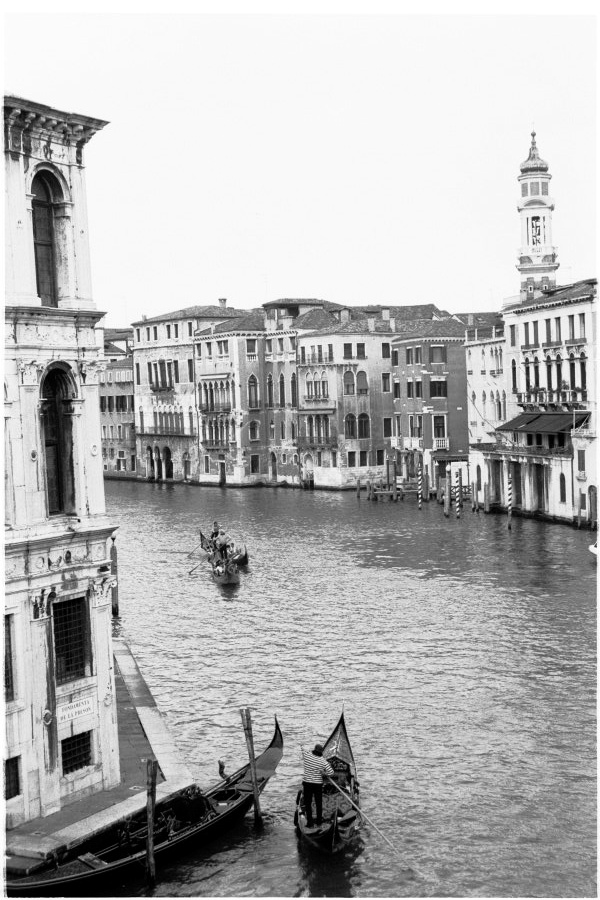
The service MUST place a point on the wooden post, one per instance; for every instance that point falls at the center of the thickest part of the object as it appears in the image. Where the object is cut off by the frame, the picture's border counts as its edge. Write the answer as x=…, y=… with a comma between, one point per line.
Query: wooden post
x=486, y=498
x=438, y=491
x=448, y=491
x=460, y=488
x=593, y=511
x=358, y=488
x=420, y=486
x=426, y=486
x=368, y=490
x=458, y=498
x=114, y=571
x=474, y=506
x=151, y=770
x=387, y=473
x=509, y=502
x=395, y=487
x=247, y=723
x=579, y=511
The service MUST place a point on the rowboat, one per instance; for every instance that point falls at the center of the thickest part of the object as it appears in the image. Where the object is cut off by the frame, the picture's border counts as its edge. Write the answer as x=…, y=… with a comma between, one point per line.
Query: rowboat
x=341, y=815
x=191, y=817
x=239, y=555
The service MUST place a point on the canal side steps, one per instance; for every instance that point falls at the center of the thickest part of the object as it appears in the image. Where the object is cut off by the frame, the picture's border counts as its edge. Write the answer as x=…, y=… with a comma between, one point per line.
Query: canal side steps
x=142, y=734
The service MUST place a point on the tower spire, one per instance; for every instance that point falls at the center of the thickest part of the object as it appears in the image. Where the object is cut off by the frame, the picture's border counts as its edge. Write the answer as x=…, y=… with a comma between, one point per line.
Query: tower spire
x=537, y=256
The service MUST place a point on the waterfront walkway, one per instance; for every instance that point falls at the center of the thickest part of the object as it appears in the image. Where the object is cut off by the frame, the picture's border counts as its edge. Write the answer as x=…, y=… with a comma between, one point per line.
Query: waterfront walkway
x=142, y=735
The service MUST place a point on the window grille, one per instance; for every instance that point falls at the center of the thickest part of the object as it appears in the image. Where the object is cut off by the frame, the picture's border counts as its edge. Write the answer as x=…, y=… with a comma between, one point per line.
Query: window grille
x=76, y=752
x=9, y=683
x=70, y=639
x=12, y=787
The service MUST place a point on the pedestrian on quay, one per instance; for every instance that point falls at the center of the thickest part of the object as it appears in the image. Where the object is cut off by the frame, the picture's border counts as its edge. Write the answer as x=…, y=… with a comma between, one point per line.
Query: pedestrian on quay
x=316, y=768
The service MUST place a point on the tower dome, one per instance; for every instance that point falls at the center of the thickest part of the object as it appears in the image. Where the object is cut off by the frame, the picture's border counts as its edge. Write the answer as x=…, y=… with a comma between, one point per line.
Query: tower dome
x=534, y=163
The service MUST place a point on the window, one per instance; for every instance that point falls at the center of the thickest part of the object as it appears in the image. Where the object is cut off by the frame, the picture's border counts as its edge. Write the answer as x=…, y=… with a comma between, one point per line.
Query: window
x=282, y=430
x=137, y=335
x=380, y=457
x=252, y=392
x=348, y=382
x=269, y=391
x=190, y=329
x=581, y=325
x=9, y=681
x=57, y=424
x=513, y=335
x=394, y=357
x=364, y=427
x=360, y=351
x=223, y=348
x=563, y=488
x=385, y=351
x=363, y=458
x=523, y=189
x=253, y=430
x=46, y=192
x=71, y=645
x=418, y=389
x=12, y=786
x=581, y=460
x=190, y=364
x=347, y=351
x=548, y=330
x=535, y=334
x=294, y=392
x=545, y=188
x=155, y=331
x=362, y=385
x=208, y=347
x=396, y=390
x=250, y=346
x=386, y=382
x=387, y=427
x=410, y=389
x=438, y=354
x=439, y=426
x=438, y=389
x=418, y=356
x=535, y=189
x=557, y=335
x=334, y=459
x=268, y=345
x=302, y=354
x=148, y=334
x=281, y=390
x=280, y=345
x=409, y=356
x=571, y=321
x=168, y=331
x=350, y=426
x=255, y=463
x=351, y=458
x=76, y=752
x=513, y=369
x=207, y=465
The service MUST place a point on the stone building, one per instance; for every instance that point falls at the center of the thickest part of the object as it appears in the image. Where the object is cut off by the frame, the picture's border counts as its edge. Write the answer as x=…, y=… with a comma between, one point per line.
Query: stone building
x=117, y=405
x=534, y=438
x=166, y=422
x=61, y=729
x=430, y=408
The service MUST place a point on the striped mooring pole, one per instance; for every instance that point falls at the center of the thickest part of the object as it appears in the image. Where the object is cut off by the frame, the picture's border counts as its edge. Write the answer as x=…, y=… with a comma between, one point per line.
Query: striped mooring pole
x=509, y=502
x=420, y=485
x=457, y=497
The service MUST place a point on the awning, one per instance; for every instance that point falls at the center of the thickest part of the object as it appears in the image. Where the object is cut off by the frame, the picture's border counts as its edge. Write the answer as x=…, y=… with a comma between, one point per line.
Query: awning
x=545, y=423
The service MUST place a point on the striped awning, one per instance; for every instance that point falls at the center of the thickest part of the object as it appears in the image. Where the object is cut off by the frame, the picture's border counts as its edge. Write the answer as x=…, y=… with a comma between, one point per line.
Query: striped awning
x=545, y=423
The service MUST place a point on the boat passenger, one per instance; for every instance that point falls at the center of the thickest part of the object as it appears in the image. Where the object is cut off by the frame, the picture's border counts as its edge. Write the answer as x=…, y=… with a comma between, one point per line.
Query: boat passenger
x=215, y=532
x=222, y=543
x=315, y=767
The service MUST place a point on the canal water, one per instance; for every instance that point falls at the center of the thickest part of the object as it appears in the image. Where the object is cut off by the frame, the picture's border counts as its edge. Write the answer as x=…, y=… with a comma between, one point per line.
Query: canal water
x=463, y=655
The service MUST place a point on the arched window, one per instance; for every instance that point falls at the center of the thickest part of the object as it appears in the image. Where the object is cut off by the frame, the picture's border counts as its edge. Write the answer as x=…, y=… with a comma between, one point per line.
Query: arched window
x=362, y=385
x=233, y=429
x=563, y=488
x=527, y=376
x=293, y=431
x=348, y=382
x=232, y=393
x=282, y=430
x=210, y=432
x=252, y=392
x=500, y=361
x=57, y=437
x=46, y=193
x=270, y=391
x=536, y=372
x=478, y=478
x=281, y=390
x=326, y=427
x=141, y=420
x=211, y=396
x=191, y=419
x=498, y=406
x=583, y=372
x=310, y=429
x=513, y=371
x=548, y=373
x=350, y=425
x=474, y=402
x=317, y=386
x=504, y=405
x=572, y=377
x=272, y=429
x=309, y=387
x=364, y=430
x=324, y=385
x=294, y=392
x=559, y=378
x=318, y=429
x=253, y=430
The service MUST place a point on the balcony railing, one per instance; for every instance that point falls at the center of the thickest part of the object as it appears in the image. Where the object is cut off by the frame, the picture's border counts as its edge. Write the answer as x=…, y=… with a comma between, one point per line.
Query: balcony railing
x=559, y=398
x=306, y=441
x=565, y=452
x=441, y=443
x=162, y=388
x=207, y=408
x=413, y=443
x=315, y=358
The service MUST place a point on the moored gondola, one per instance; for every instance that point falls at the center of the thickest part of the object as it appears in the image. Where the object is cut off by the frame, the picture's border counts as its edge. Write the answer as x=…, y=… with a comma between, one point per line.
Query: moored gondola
x=191, y=817
x=341, y=799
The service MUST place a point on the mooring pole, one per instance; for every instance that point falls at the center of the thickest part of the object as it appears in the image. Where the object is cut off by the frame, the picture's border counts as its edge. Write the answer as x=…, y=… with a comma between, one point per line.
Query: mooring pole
x=460, y=488
x=457, y=498
x=151, y=770
x=358, y=488
x=420, y=486
x=426, y=486
x=486, y=498
x=247, y=723
x=114, y=571
x=509, y=503
x=448, y=491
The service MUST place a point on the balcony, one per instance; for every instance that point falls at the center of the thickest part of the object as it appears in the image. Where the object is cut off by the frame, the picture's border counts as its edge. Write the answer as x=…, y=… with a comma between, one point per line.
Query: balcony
x=535, y=345
x=528, y=450
x=162, y=388
x=570, y=399
x=550, y=344
x=310, y=358
x=441, y=443
x=316, y=442
x=207, y=408
x=413, y=443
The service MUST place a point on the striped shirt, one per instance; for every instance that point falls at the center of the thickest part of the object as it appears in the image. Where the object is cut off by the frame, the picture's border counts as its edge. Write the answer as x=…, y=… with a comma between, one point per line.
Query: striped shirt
x=315, y=767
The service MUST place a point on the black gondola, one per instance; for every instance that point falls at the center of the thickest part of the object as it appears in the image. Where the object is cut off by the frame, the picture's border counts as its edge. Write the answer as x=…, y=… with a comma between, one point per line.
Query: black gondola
x=191, y=817
x=341, y=800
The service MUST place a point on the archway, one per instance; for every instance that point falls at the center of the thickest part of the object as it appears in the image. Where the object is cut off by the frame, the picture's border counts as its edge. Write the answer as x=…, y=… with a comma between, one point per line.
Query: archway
x=273, y=467
x=186, y=466
x=149, y=464
x=308, y=475
x=168, y=463
x=158, y=466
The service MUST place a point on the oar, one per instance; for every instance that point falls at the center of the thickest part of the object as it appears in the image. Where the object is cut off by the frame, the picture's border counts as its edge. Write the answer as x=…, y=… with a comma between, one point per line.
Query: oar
x=191, y=553
x=370, y=821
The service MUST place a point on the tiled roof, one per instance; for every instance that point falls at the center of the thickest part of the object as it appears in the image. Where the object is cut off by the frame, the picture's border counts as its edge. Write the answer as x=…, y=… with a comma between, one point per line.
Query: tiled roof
x=249, y=320
x=194, y=312
x=112, y=349
x=473, y=320
x=314, y=319
x=579, y=289
x=325, y=304
x=417, y=311
x=356, y=326
x=118, y=334
x=441, y=328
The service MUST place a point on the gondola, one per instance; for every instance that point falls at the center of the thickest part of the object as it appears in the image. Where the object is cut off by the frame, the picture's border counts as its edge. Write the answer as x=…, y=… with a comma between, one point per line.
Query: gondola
x=224, y=571
x=341, y=818
x=191, y=817
x=239, y=556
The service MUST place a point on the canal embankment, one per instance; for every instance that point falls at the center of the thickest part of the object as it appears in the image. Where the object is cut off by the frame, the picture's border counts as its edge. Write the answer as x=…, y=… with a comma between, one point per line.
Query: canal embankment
x=142, y=735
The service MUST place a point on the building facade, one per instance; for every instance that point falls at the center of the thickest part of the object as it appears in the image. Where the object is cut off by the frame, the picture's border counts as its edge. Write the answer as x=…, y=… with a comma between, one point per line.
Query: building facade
x=61, y=728
x=117, y=405
x=533, y=437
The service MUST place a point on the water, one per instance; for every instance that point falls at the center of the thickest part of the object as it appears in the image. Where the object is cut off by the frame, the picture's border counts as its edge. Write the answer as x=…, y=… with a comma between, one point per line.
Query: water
x=464, y=655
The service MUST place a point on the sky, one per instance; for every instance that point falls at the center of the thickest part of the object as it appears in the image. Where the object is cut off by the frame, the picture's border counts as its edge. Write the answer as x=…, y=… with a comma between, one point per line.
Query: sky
x=351, y=157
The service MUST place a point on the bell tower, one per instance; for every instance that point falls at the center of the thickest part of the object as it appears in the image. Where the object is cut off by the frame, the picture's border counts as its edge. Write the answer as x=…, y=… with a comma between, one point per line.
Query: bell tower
x=537, y=256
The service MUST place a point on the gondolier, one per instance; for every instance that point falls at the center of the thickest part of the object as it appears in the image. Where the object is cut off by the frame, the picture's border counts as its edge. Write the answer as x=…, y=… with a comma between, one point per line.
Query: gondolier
x=315, y=767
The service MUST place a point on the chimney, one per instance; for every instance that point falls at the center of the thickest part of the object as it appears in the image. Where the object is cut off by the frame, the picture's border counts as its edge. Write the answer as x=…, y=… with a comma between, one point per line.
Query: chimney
x=345, y=315
x=223, y=302
x=392, y=324
x=371, y=323
x=470, y=320
x=385, y=313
